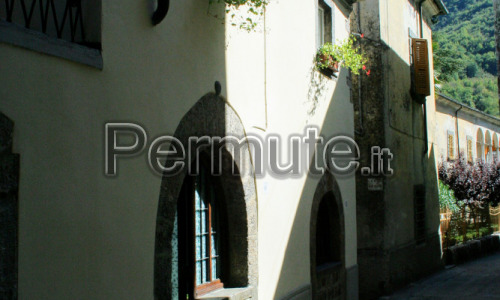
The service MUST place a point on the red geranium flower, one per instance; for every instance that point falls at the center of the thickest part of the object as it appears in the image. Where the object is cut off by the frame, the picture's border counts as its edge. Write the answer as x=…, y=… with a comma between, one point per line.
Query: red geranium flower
x=362, y=35
x=368, y=73
x=364, y=67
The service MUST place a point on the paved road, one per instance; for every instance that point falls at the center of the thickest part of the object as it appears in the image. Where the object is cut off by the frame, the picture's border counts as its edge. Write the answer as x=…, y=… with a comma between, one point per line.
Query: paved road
x=479, y=279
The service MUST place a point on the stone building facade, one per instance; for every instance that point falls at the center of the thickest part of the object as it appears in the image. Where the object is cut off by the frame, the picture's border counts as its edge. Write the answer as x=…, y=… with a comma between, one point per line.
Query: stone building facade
x=397, y=215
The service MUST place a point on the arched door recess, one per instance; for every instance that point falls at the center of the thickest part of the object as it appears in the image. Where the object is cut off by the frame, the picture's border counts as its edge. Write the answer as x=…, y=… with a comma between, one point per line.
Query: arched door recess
x=327, y=244
x=211, y=116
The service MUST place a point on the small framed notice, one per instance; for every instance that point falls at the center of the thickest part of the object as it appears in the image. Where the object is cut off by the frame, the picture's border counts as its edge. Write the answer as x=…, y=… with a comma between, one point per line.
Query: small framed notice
x=375, y=184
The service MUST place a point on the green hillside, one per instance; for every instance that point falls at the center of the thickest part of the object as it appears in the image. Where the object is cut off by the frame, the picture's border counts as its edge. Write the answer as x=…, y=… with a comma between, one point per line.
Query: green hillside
x=464, y=54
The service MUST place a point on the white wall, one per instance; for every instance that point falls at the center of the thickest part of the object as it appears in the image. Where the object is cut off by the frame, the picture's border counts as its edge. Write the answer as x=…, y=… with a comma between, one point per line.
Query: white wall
x=291, y=82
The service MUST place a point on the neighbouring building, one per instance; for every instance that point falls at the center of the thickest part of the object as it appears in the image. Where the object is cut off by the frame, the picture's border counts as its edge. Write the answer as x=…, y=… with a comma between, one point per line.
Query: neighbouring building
x=70, y=67
x=398, y=215
x=465, y=132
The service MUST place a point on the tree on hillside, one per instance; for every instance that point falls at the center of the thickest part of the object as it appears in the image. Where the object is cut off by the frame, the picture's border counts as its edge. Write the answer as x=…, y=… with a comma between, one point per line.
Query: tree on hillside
x=464, y=50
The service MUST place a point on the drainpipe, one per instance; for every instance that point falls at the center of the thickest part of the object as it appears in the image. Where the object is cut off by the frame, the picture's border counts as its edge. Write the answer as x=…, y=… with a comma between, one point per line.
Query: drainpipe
x=265, y=68
x=420, y=18
x=456, y=125
x=426, y=135
x=361, y=131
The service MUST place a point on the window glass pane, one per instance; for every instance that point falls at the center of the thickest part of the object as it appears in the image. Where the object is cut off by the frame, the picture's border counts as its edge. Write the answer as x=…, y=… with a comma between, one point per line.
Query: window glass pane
x=198, y=247
x=197, y=198
x=203, y=246
x=215, y=258
x=214, y=269
x=198, y=223
x=214, y=245
x=207, y=235
x=321, y=27
x=203, y=222
x=198, y=272
x=204, y=265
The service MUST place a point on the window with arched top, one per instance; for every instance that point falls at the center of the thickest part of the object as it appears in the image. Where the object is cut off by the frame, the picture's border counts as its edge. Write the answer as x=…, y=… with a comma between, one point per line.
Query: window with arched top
x=494, y=148
x=206, y=223
x=327, y=242
x=479, y=145
x=487, y=147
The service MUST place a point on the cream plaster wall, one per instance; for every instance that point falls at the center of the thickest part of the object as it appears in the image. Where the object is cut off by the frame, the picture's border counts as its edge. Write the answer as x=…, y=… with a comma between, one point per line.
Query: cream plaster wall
x=83, y=235
x=86, y=236
x=468, y=125
x=291, y=105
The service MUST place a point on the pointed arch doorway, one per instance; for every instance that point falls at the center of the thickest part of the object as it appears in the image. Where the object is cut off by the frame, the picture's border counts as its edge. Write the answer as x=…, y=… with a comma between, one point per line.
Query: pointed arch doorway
x=185, y=264
x=327, y=244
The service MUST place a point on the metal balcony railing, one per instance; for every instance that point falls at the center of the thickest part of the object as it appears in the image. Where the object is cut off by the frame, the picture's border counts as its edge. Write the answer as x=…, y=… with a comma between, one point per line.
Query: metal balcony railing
x=61, y=19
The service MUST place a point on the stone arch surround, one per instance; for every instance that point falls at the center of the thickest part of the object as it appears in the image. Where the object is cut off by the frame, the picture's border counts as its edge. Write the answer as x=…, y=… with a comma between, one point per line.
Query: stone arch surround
x=9, y=210
x=212, y=116
x=327, y=190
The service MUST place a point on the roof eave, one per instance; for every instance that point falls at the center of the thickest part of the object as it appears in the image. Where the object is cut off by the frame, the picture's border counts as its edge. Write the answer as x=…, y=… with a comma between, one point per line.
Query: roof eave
x=442, y=8
x=473, y=111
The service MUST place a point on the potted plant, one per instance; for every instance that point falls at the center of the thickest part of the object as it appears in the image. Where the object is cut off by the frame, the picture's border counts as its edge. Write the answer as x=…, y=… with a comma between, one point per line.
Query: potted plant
x=327, y=58
x=346, y=53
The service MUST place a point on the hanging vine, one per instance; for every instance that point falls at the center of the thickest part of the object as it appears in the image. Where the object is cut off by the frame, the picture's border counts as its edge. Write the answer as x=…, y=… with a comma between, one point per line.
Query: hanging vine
x=250, y=19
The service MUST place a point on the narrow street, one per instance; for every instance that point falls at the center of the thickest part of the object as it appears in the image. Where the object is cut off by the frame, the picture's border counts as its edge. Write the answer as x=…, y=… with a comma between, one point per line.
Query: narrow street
x=479, y=279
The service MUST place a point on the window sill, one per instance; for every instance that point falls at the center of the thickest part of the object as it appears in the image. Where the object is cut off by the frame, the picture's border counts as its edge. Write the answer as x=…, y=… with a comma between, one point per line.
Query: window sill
x=33, y=40
x=329, y=73
x=229, y=294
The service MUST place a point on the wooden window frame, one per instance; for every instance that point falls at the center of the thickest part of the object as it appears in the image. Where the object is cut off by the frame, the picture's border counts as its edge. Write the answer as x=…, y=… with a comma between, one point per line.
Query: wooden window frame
x=470, y=156
x=213, y=284
x=451, y=144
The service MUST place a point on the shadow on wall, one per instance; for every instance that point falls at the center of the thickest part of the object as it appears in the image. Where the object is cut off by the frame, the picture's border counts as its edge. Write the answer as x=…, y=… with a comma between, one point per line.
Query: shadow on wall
x=389, y=254
x=9, y=185
x=394, y=246
x=326, y=271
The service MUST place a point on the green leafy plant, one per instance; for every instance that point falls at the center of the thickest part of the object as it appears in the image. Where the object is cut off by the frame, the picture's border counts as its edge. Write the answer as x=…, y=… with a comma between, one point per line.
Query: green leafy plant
x=254, y=11
x=346, y=53
x=447, y=198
